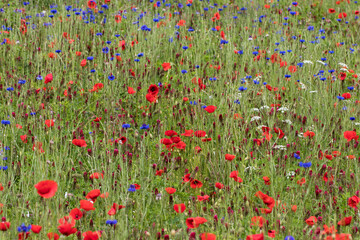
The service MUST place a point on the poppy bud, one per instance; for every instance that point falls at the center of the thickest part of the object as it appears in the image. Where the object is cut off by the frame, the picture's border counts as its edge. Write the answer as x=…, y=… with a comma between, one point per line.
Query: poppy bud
x=192, y=236
x=78, y=234
x=91, y=223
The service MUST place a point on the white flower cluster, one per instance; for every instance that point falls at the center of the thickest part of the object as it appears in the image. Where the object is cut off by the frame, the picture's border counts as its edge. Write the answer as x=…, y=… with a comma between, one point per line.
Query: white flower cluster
x=255, y=118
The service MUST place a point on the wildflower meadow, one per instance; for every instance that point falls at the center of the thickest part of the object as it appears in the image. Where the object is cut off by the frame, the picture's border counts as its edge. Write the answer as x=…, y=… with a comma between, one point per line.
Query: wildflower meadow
x=188, y=119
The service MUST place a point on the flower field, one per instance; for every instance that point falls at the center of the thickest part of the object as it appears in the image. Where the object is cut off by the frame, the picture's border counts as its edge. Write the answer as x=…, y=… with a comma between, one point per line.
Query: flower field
x=187, y=119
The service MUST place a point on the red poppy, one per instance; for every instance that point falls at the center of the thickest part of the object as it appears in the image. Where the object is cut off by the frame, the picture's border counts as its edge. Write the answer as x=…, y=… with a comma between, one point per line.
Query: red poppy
x=342, y=15
x=257, y=221
x=301, y=182
x=349, y=135
x=331, y=10
x=166, y=66
x=200, y=133
x=170, y=190
x=153, y=89
x=195, y=222
x=271, y=233
x=170, y=133
x=131, y=90
x=49, y=123
x=269, y=201
x=180, y=145
x=346, y=95
x=36, y=228
x=259, y=236
x=280, y=132
x=79, y=142
x=267, y=180
x=24, y=138
x=195, y=183
x=311, y=220
x=175, y=139
x=266, y=6
x=86, y=205
x=47, y=188
x=89, y=235
x=151, y=98
x=93, y=194
x=219, y=185
x=229, y=157
x=91, y=4
x=188, y=133
x=4, y=226
x=52, y=235
x=186, y=178
x=345, y=221
x=234, y=175
x=48, y=78
x=353, y=201
x=83, y=63
x=118, y=18
x=67, y=219
x=114, y=209
x=342, y=76
x=208, y=236
x=67, y=229
x=96, y=175
x=166, y=141
x=309, y=134
x=179, y=208
x=181, y=23
x=203, y=198
x=76, y=214
x=159, y=172
x=292, y=69
x=210, y=109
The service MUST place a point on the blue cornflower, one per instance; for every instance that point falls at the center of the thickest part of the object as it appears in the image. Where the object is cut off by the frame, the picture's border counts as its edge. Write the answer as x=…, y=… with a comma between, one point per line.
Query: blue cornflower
x=289, y=238
x=185, y=47
x=24, y=228
x=140, y=54
x=350, y=88
x=132, y=188
x=305, y=165
x=111, y=222
x=240, y=52
x=39, y=77
x=10, y=89
x=287, y=76
x=90, y=58
x=340, y=97
x=145, y=126
x=5, y=168
x=22, y=81
x=111, y=77
x=242, y=88
x=126, y=125
x=297, y=156
x=99, y=34
x=183, y=71
x=255, y=53
x=92, y=70
x=352, y=118
x=136, y=60
x=5, y=122
x=105, y=50
x=58, y=51
x=5, y=158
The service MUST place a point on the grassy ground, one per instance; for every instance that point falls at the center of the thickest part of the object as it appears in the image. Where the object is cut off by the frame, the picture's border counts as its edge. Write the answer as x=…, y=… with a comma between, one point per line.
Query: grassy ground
x=273, y=87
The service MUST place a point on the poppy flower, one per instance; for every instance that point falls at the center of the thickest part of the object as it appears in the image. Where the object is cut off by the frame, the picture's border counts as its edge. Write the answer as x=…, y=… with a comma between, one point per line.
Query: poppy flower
x=83, y=63
x=153, y=89
x=79, y=142
x=96, y=175
x=52, y=235
x=67, y=229
x=89, y=235
x=166, y=141
x=114, y=209
x=210, y=109
x=188, y=133
x=208, y=236
x=257, y=221
x=67, y=219
x=331, y=10
x=229, y=157
x=23, y=138
x=118, y=18
x=170, y=190
x=346, y=95
x=219, y=185
x=309, y=134
x=159, y=172
x=293, y=208
x=36, y=228
x=195, y=222
x=259, y=236
x=179, y=208
x=180, y=145
x=269, y=201
x=345, y=221
x=203, y=198
x=349, y=135
x=342, y=15
x=76, y=214
x=166, y=66
x=353, y=201
x=200, y=133
x=131, y=90
x=86, y=205
x=311, y=220
x=195, y=184
x=151, y=98
x=49, y=123
x=301, y=182
x=234, y=175
x=47, y=188
x=48, y=78
x=170, y=133
x=4, y=226
x=187, y=178
x=93, y=194
x=266, y=180
x=91, y=4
